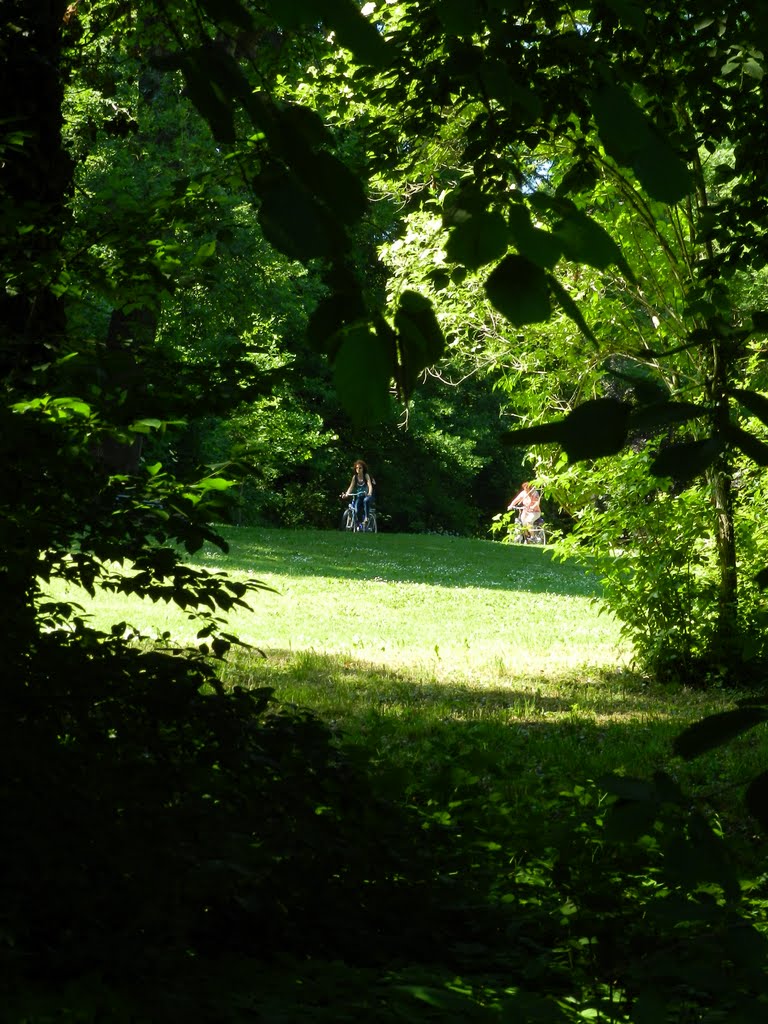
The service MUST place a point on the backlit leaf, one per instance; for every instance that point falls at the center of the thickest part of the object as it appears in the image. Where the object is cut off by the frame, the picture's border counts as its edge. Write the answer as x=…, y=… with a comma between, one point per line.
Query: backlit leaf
x=570, y=308
x=518, y=289
x=585, y=241
x=330, y=316
x=331, y=181
x=754, y=402
x=539, y=246
x=295, y=223
x=750, y=445
x=687, y=460
x=650, y=418
x=362, y=370
x=416, y=322
x=478, y=240
x=594, y=429
x=633, y=141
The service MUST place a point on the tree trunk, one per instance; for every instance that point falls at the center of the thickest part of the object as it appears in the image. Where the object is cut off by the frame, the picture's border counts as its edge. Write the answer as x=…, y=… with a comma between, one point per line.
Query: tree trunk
x=726, y=641
x=726, y=644
x=35, y=178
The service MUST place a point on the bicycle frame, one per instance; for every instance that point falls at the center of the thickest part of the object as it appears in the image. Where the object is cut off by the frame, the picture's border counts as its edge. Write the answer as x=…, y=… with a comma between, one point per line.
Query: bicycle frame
x=354, y=524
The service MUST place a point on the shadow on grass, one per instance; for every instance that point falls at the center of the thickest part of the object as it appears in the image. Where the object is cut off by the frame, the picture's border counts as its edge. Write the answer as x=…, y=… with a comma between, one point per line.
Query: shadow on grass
x=453, y=562
x=528, y=738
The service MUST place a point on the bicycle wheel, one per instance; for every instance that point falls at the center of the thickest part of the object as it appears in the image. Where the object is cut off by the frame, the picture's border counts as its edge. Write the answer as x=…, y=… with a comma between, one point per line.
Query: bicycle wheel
x=348, y=519
x=537, y=535
x=373, y=526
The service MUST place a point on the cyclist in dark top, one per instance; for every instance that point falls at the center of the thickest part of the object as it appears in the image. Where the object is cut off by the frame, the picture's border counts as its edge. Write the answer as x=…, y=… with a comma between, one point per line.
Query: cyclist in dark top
x=361, y=486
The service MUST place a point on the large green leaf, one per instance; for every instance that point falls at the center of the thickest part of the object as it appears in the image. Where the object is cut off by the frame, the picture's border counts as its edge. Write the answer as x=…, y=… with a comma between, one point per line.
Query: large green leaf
x=330, y=316
x=752, y=447
x=716, y=730
x=295, y=223
x=687, y=460
x=333, y=183
x=416, y=323
x=539, y=246
x=351, y=28
x=647, y=419
x=633, y=141
x=754, y=402
x=478, y=240
x=570, y=308
x=518, y=289
x=594, y=429
x=362, y=370
x=583, y=240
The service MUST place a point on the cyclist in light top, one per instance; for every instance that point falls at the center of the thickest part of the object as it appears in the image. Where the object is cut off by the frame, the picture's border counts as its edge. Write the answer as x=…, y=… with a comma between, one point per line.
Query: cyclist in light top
x=361, y=486
x=528, y=502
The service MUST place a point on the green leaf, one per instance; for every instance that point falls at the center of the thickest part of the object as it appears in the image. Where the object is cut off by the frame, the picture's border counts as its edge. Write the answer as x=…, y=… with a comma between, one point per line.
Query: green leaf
x=687, y=460
x=145, y=426
x=539, y=246
x=751, y=446
x=206, y=250
x=584, y=241
x=214, y=483
x=331, y=314
x=753, y=401
x=659, y=415
x=570, y=308
x=518, y=289
x=228, y=12
x=756, y=797
x=362, y=370
x=295, y=223
x=417, y=325
x=332, y=182
x=716, y=730
x=478, y=240
x=594, y=429
x=633, y=141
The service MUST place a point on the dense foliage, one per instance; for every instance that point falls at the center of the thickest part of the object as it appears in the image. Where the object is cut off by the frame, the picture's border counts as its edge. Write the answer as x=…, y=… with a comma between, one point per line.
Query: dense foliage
x=194, y=271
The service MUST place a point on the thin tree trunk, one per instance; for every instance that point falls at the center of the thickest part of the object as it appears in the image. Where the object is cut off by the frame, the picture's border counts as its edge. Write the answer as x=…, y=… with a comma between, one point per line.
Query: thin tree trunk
x=727, y=631
x=35, y=178
x=720, y=477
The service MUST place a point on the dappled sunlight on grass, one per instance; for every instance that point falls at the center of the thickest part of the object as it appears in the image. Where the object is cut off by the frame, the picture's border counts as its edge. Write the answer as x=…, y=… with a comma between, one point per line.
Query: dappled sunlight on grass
x=530, y=734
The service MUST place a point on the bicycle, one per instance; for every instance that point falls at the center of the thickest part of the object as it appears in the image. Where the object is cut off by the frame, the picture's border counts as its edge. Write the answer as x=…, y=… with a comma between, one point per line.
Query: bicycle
x=529, y=533
x=351, y=521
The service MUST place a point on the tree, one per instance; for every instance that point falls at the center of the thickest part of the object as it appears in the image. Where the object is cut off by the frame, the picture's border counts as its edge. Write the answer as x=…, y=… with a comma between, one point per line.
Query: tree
x=616, y=117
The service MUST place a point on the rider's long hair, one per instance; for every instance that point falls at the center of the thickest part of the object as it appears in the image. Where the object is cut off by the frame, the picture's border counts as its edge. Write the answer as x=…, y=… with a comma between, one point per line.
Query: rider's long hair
x=359, y=462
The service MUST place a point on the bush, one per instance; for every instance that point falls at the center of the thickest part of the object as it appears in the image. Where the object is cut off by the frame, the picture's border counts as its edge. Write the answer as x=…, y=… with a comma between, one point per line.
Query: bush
x=153, y=820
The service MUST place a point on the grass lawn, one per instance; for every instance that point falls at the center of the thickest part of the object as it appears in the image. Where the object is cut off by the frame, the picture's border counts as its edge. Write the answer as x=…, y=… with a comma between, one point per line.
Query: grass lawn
x=432, y=651
x=483, y=692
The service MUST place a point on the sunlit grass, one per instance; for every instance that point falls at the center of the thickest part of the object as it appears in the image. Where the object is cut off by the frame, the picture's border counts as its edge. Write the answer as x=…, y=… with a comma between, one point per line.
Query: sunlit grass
x=401, y=600
x=441, y=654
